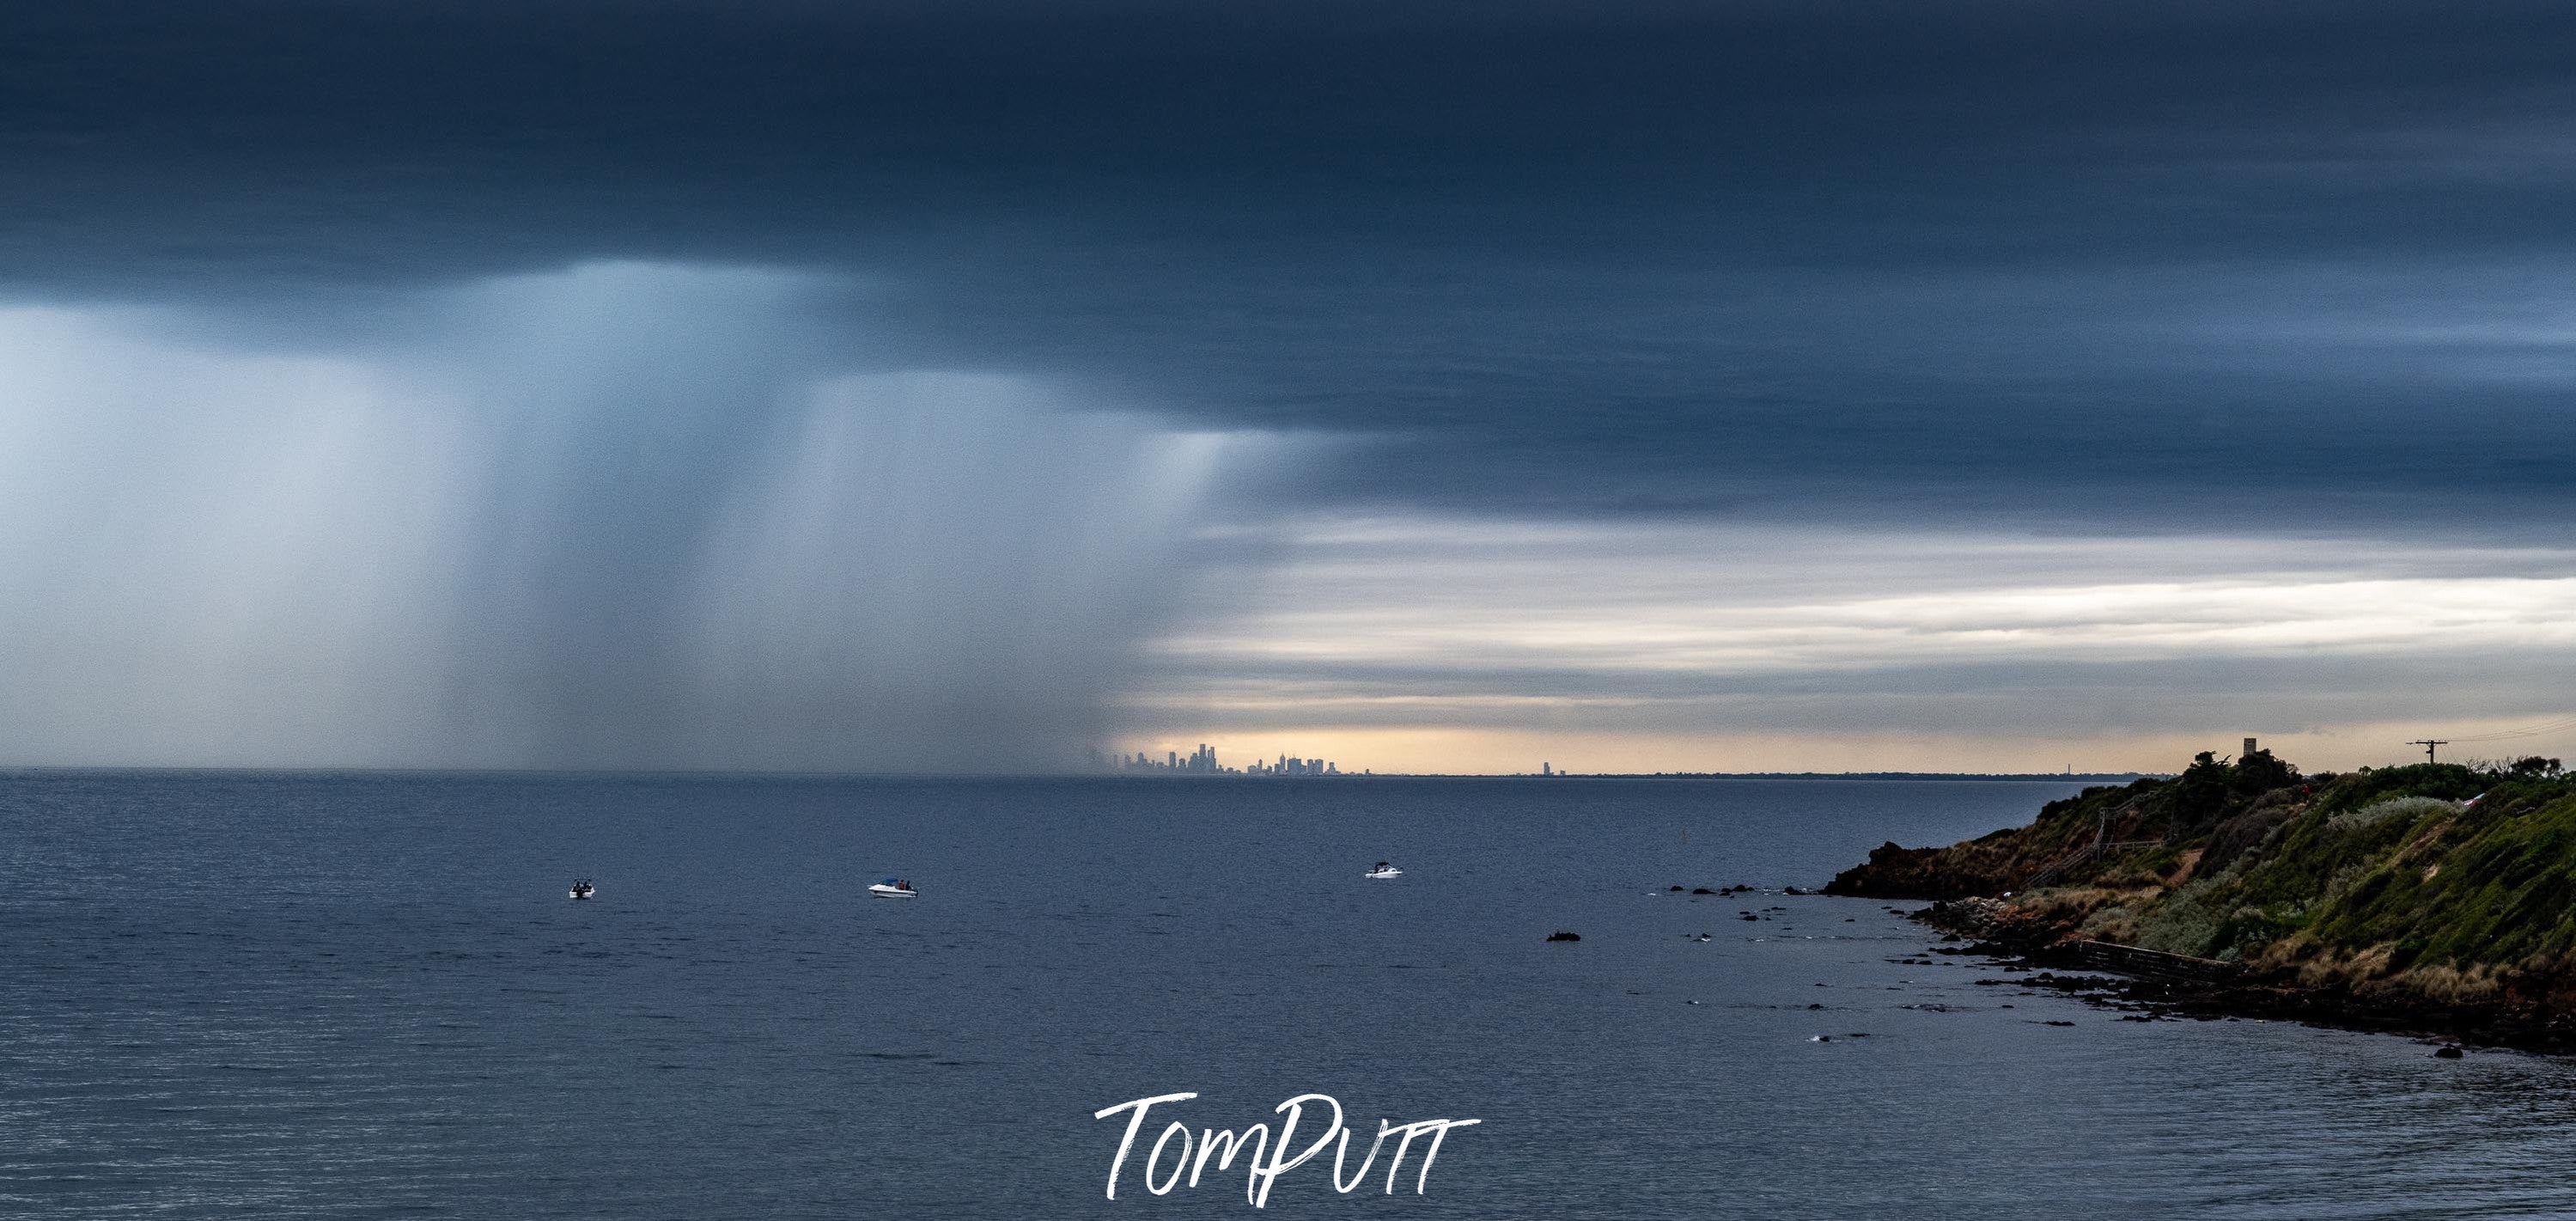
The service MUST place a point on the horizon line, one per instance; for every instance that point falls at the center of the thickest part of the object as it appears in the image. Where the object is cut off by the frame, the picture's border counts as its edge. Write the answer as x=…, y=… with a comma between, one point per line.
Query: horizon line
x=1075, y=774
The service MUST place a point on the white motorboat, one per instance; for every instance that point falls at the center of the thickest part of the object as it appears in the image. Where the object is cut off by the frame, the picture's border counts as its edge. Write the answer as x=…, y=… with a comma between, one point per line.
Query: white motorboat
x=1384, y=870
x=894, y=888
x=583, y=890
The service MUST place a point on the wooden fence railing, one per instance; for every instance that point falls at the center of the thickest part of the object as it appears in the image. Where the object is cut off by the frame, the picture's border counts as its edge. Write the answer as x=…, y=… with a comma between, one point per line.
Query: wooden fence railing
x=2131, y=960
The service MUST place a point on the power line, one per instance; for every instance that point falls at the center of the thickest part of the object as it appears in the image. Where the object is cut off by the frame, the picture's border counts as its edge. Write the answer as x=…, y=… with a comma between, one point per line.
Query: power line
x=2428, y=744
x=2528, y=731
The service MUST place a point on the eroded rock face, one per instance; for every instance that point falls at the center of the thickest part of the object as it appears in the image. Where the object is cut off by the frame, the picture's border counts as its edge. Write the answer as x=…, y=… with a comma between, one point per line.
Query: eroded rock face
x=1978, y=917
x=1894, y=871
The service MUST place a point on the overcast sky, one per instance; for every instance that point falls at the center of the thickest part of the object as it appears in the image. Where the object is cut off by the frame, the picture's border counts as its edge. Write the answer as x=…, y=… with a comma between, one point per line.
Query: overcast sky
x=961, y=386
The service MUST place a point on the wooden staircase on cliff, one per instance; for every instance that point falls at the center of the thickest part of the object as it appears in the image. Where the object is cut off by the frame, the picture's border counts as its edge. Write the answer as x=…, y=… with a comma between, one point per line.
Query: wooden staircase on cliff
x=2101, y=843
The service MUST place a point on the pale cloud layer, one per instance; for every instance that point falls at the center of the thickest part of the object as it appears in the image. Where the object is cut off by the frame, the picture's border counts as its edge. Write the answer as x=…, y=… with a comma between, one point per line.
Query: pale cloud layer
x=1688, y=646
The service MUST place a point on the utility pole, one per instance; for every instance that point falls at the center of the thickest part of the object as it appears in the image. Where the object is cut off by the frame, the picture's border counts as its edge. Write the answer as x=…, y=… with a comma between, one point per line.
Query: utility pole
x=2428, y=744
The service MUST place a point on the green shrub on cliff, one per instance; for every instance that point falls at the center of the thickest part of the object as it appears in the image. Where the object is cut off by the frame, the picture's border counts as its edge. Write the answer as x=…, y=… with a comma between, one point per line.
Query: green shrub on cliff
x=2353, y=822
x=2395, y=867
x=2494, y=884
x=2189, y=920
x=2447, y=781
x=2306, y=864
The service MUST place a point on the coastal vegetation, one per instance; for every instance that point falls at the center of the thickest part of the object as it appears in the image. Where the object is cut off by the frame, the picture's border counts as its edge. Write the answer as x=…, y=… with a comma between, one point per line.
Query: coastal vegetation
x=2439, y=895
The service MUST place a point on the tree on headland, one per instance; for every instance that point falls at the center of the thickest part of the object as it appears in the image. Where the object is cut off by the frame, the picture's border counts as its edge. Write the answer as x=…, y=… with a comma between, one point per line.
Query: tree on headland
x=2210, y=787
x=2260, y=772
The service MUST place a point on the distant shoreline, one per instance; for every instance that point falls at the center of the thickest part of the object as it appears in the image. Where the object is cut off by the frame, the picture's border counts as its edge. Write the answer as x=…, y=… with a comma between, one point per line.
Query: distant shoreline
x=2090, y=777
x=75, y=769
x=2107, y=777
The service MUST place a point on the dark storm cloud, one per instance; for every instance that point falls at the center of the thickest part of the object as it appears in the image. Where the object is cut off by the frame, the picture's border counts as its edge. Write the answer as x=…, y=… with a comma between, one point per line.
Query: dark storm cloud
x=2128, y=265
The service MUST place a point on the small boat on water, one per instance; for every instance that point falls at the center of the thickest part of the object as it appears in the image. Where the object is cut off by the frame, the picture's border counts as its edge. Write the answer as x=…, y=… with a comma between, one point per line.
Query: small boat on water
x=894, y=888
x=1384, y=870
x=583, y=889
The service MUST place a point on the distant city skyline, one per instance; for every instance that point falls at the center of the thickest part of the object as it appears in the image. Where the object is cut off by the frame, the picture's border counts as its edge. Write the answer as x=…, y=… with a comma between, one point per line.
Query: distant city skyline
x=1203, y=761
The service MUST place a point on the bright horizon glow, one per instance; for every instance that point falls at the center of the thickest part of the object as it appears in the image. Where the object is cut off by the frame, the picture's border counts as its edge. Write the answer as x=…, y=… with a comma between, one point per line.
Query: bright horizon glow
x=1455, y=752
x=1428, y=645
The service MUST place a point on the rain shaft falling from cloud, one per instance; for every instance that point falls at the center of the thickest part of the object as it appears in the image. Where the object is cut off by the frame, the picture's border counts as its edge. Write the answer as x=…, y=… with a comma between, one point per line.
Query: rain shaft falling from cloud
x=619, y=516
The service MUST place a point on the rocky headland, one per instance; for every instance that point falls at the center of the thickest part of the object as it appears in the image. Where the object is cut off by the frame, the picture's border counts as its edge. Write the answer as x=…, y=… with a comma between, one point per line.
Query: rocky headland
x=2433, y=898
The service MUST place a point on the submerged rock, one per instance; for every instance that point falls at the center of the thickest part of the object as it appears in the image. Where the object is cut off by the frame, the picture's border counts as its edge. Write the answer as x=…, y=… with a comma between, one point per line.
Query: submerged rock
x=1562, y=935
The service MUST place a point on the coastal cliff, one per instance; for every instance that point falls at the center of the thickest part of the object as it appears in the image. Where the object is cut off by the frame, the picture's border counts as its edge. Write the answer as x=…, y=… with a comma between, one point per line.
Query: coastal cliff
x=2437, y=897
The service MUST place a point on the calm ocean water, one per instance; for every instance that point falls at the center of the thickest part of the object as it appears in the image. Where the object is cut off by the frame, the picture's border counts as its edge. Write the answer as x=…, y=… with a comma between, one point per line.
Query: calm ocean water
x=365, y=996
